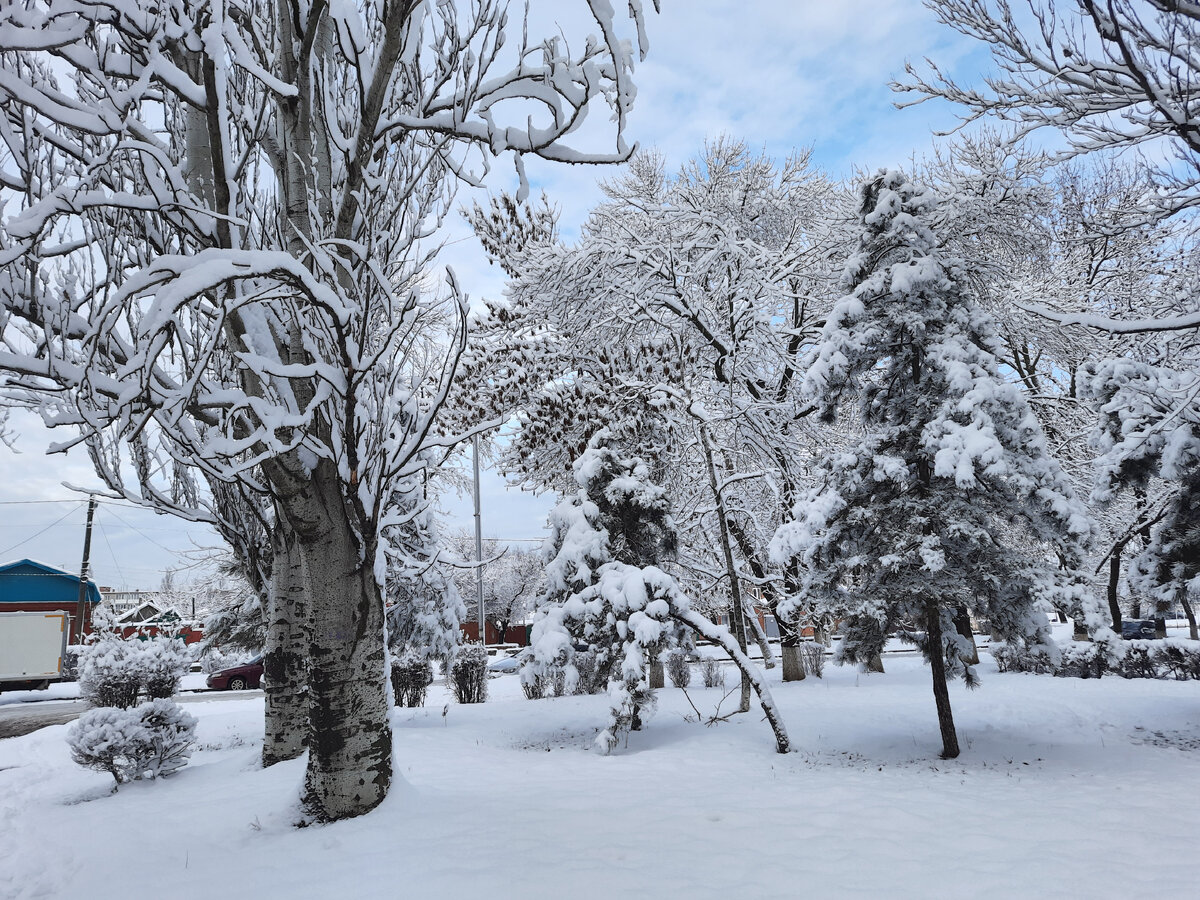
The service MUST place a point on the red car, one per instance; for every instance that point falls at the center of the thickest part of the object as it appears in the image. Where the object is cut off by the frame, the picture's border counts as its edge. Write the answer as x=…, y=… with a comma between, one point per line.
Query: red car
x=238, y=678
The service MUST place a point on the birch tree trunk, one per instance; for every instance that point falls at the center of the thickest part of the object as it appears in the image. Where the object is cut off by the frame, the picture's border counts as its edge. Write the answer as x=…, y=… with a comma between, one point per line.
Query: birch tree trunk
x=285, y=669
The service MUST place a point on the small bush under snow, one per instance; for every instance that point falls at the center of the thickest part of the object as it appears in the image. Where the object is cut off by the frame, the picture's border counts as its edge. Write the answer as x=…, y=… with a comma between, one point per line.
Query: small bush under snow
x=411, y=675
x=150, y=741
x=678, y=669
x=468, y=674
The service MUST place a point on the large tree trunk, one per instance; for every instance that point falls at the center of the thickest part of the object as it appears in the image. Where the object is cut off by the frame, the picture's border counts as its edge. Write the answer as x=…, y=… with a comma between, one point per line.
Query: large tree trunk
x=941, y=692
x=349, y=740
x=285, y=663
x=657, y=675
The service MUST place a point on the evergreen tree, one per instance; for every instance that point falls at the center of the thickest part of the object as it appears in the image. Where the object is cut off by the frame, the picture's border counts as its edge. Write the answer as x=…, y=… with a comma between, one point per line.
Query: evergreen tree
x=950, y=498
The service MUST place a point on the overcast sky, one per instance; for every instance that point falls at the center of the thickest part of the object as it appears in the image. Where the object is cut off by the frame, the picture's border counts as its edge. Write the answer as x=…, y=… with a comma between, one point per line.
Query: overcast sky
x=779, y=74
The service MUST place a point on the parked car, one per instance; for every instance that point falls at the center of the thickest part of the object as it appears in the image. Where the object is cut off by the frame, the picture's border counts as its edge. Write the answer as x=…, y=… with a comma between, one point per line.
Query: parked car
x=1138, y=629
x=238, y=678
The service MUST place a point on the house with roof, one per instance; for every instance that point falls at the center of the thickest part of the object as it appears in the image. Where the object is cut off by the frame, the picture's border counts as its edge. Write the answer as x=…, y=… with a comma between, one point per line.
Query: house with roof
x=30, y=586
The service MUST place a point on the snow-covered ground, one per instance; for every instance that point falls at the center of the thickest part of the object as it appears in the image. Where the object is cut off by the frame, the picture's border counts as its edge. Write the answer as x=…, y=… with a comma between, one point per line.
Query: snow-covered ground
x=1065, y=788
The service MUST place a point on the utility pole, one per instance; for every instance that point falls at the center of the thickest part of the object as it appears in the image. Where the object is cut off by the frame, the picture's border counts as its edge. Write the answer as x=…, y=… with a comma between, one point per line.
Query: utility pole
x=478, y=544
x=81, y=607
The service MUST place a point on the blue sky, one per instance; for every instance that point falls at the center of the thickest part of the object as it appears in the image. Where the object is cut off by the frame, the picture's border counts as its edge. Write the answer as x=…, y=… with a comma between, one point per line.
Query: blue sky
x=779, y=74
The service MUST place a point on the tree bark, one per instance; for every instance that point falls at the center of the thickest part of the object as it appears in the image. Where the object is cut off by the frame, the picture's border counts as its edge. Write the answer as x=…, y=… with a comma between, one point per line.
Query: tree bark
x=1187, y=611
x=285, y=663
x=941, y=692
x=657, y=675
x=789, y=651
x=760, y=637
x=349, y=739
x=876, y=664
x=1114, y=578
x=962, y=624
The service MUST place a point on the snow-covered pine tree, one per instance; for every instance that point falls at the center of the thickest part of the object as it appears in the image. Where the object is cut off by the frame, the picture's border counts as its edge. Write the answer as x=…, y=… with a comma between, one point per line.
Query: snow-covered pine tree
x=950, y=498
x=607, y=542
x=1148, y=431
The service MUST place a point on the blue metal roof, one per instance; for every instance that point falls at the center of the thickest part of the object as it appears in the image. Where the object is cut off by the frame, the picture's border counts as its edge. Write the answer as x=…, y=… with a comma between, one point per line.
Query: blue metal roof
x=26, y=581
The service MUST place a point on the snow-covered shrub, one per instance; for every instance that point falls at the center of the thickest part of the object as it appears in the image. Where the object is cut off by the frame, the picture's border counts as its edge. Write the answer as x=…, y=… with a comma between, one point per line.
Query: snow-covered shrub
x=1082, y=659
x=544, y=681
x=162, y=663
x=1180, y=659
x=678, y=669
x=812, y=656
x=468, y=674
x=1015, y=658
x=71, y=662
x=212, y=660
x=150, y=741
x=588, y=676
x=110, y=674
x=411, y=675
x=533, y=682
x=1140, y=661
x=711, y=672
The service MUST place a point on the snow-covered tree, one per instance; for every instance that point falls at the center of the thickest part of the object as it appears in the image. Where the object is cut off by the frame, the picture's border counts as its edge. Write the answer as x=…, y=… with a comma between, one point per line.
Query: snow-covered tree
x=950, y=498
x=215, y=257
x=1107, y=75
x=608, y=545
x=1149, y=430
x=425, y=611
x=675, y=322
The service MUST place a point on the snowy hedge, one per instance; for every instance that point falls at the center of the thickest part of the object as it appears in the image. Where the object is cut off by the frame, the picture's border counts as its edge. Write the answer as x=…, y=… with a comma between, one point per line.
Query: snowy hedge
x=1170, y=658
x=468, y=674
x=114, y=672
x=411, y=675
x=149, y=741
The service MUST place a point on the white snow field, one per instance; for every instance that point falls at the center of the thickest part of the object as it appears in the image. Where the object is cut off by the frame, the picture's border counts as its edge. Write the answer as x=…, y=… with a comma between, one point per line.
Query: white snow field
x=1065, y=788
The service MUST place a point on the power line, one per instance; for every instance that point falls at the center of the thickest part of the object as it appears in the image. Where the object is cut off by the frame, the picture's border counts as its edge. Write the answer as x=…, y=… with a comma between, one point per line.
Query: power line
x=146, y=536
x=38, y=534
x=108, y=544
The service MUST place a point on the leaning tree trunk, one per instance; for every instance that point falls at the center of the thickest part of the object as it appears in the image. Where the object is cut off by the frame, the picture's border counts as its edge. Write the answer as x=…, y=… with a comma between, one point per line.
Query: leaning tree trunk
x=349, y=740
x=760, y=637
x=941, y=691
x=285, y=663
x=706, y=629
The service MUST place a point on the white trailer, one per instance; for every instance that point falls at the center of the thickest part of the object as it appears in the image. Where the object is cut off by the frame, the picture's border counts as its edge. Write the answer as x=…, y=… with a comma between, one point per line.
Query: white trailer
x=32, y=648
